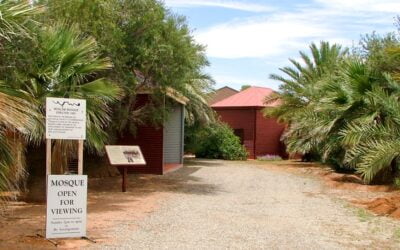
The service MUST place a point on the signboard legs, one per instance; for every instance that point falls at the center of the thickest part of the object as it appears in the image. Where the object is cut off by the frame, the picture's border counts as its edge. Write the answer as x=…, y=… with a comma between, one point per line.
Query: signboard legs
x=80, y=157
x=48, y=157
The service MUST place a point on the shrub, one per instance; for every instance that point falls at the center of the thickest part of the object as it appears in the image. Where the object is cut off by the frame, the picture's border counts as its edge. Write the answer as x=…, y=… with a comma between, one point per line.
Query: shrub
x=217, y=141
x=396, y=182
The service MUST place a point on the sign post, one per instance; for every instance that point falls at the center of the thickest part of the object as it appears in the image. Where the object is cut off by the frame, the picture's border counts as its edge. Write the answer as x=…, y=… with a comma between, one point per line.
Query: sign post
x=124, y=157
x=66, y=206
x=66, y=194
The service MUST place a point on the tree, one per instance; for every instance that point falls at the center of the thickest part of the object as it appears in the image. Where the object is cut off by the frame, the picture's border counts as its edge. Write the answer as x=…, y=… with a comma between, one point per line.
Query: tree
x=244, y=87
x=138, y=36
x=300, y=91
x=197, y=109
x=346, y=112
x=17, y=115
x=91, y=50
x=65, y=65
x=373, y=142
x=69, y=66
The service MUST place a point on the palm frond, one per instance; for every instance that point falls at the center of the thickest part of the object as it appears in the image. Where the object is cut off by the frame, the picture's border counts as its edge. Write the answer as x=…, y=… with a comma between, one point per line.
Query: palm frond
x=14, y=17
x=378, y=157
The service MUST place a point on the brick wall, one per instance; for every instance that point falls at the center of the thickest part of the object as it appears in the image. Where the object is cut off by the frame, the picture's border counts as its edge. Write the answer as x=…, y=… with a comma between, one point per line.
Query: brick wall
x=268, y=136
x=150, y=140
x=268, y=131
x=240, y=119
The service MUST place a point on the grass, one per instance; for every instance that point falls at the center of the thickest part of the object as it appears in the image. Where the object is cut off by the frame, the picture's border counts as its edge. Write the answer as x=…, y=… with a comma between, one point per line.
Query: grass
x=364, y=215
x=396, y=234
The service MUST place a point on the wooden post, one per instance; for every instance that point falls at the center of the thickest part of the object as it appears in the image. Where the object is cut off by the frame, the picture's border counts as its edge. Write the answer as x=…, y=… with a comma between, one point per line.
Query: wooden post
x=48, y=157
x=80, y=157
x=124, y=179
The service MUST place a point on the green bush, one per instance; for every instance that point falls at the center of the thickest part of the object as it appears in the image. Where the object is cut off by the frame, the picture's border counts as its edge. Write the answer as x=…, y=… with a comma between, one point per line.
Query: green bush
x=217, y=141
x=396, y=182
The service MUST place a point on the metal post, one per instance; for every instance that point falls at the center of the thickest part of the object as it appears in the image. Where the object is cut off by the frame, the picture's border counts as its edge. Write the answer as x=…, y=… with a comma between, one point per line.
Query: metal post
x=124, y=179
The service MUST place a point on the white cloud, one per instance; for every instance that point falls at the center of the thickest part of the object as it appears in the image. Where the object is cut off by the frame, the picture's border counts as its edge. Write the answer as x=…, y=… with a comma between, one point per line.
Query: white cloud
x=279, y=32
x=261, y=37
x=391, y=6
x=237, y=5
x=283, y=31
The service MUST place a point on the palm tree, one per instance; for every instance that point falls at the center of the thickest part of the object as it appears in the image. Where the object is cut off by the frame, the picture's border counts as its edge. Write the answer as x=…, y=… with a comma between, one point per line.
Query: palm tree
x=300, y=92
x=351, y=117
x=17, y=115
x=197, y=91
x=66, y=65
x=15, y=17
x=373, y=141
x=69, y=67
x=344, y=101
x=373, y=144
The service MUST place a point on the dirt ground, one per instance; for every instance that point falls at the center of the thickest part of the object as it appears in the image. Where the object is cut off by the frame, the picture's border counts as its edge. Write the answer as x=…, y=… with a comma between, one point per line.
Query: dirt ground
x=382, y=200
x=23, y=223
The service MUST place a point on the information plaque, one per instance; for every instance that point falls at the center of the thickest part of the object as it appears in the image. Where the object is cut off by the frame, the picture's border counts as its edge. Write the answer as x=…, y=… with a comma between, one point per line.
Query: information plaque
x=125, y=155
x=65, y=118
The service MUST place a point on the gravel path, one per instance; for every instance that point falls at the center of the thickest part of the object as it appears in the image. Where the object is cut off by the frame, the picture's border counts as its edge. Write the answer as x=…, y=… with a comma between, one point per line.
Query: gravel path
x=230, y=205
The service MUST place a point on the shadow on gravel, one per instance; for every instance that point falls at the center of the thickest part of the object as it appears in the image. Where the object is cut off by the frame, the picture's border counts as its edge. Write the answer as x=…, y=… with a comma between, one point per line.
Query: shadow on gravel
x=180, y=181
x=184, y=181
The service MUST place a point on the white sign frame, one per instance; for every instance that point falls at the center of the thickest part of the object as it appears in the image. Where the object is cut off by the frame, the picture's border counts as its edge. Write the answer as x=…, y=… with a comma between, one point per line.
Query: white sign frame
x=65, y=118
x=66, y=206
x=125, y=155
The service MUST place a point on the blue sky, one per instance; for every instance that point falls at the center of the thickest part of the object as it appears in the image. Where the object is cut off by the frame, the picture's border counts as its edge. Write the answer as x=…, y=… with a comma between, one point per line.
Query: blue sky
x=247, y=40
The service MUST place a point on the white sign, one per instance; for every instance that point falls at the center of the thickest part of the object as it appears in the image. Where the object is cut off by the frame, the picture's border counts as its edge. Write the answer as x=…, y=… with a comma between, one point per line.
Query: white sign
x=125, y=155
x=65, y=118
x=66, y=206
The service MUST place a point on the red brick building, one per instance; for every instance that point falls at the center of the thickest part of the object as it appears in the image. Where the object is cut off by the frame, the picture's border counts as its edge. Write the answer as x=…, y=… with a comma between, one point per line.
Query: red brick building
x=243, y=113
x=162, y=146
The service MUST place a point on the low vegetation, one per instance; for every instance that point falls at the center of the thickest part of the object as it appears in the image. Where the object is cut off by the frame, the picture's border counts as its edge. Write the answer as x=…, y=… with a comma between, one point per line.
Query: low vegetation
x=216, y=141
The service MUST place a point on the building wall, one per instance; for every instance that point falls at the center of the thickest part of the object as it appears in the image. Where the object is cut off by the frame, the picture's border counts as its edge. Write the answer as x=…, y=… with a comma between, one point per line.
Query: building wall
x=173, y=136
x=241, y=119
x=259, y=132
x=150, y=141
x=269, y=132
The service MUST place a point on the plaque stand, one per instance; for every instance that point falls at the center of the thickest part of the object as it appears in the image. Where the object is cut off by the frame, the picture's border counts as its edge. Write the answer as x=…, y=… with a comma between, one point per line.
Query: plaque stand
x=124, y=178
x=116, y=156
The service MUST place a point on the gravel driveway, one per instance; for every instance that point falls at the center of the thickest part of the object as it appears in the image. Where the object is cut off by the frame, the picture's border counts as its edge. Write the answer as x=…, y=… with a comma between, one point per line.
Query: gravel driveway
x=236, y=205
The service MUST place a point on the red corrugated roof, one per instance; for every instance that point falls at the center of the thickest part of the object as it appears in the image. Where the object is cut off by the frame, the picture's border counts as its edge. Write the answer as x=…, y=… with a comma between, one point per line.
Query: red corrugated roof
x=251, y=97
